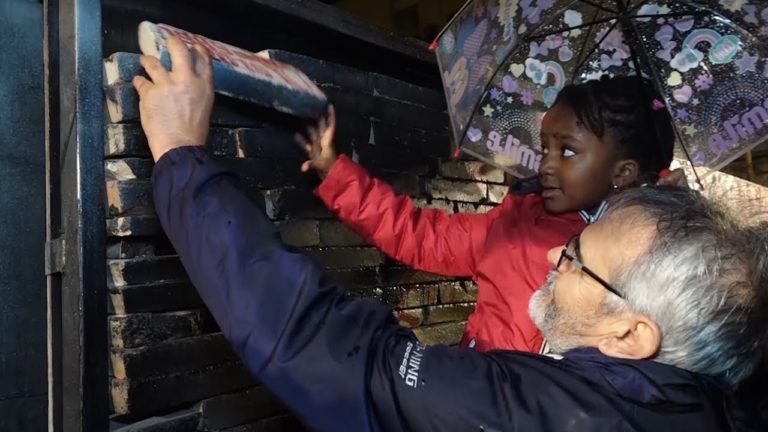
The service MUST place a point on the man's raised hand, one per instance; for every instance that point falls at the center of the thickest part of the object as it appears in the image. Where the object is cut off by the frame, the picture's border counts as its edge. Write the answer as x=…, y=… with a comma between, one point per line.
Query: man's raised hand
x=176, y=105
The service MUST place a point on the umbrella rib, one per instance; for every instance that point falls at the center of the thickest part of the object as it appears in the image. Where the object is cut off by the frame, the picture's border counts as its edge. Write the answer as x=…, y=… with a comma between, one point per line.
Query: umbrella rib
x=659, y=86
x=636, y=7
x=672, y=14
x=583, y=47
x=452, y=20
x=598, y=6
x=565, y=29
x=597, y=45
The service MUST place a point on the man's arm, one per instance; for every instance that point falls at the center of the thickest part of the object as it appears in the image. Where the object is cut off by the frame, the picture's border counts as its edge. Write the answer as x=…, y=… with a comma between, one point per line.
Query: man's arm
x=297, y=331
x=341, y=364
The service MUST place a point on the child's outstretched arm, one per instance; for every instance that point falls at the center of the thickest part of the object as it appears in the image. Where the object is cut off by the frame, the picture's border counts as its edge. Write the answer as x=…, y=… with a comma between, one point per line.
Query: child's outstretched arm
x=426, y=239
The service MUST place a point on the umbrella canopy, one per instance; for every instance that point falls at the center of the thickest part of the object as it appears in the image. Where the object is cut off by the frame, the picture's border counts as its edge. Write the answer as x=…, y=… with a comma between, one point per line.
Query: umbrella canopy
x=503, y=63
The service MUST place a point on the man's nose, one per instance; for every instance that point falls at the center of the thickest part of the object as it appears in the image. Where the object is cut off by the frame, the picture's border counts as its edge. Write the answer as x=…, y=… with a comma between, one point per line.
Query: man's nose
x=553, y=256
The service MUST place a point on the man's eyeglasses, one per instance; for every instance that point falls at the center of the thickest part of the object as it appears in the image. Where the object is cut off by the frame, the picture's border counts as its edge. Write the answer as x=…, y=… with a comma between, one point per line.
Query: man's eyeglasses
x=572, y=253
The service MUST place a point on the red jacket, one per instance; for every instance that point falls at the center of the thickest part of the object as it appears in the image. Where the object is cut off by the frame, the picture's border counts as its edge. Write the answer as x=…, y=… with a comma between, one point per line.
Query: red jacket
x=503, y=250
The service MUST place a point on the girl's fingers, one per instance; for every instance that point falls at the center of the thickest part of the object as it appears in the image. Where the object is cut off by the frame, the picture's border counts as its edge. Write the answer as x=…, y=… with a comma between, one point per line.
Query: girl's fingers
x=313, y=134
x=327, y=139
x=301, y=140
x=321, y=125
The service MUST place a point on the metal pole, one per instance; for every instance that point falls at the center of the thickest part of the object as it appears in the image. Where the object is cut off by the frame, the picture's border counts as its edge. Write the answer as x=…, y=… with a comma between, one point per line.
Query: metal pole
x=78, y=344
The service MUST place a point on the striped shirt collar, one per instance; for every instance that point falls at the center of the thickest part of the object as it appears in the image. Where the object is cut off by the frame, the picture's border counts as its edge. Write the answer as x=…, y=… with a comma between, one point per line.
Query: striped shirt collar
x=593, y=216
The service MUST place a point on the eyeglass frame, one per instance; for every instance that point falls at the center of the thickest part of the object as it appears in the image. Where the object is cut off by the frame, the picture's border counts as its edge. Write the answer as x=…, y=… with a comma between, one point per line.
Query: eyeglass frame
x=576, y=262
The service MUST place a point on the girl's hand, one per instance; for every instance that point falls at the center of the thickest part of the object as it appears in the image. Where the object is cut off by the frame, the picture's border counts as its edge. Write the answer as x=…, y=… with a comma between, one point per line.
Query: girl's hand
x=318, y=143
x=675, y=178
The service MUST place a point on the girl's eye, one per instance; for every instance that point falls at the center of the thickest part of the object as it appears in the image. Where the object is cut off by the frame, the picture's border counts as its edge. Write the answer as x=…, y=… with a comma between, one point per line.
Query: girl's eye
x=568, y=152
x=544, y=151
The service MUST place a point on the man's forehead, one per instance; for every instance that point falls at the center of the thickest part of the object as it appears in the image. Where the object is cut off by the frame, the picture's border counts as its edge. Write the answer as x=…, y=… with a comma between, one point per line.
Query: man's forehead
x=620, y=236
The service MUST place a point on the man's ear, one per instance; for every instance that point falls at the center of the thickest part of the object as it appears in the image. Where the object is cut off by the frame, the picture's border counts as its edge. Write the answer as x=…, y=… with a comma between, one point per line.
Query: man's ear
x=626, y=173
x=635, y=337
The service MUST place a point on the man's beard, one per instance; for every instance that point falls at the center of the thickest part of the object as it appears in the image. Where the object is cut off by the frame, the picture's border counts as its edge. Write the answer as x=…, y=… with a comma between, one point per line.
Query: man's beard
x=559, y=329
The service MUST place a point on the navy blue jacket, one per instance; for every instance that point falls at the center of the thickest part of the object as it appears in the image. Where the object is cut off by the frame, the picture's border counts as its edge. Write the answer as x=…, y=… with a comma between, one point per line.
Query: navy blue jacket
x=344, y=364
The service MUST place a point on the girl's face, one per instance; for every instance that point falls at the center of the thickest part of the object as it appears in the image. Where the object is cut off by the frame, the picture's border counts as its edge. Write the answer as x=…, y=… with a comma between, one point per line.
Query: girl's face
x=578, y=169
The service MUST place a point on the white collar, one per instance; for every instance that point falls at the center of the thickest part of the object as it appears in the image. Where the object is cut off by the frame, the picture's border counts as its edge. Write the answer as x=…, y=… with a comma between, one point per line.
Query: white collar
x=593, y=217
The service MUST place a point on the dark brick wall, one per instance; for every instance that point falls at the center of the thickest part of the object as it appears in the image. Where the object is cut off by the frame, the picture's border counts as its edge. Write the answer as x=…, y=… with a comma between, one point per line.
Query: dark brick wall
x=757, y=171
x=169, y=365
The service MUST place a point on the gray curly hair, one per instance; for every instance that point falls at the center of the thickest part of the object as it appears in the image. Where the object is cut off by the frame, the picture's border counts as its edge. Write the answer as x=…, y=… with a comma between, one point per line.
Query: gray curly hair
x=704, y=281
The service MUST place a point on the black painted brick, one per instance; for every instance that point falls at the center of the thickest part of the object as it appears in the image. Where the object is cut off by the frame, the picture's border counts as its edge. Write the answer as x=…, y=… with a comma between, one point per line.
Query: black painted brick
x=140, y=271
x=175, y=356
x=146, y=329
x=157, y=296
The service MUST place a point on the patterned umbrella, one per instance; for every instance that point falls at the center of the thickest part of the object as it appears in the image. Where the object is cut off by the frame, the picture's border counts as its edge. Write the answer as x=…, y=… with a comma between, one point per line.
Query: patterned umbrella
x=503, y=63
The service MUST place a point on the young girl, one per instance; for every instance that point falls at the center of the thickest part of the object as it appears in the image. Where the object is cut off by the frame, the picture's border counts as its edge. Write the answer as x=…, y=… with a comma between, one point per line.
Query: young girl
x=598, y=138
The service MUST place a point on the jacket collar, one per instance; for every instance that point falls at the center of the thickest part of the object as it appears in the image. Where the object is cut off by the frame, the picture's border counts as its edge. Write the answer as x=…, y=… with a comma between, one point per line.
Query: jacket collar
x=645, y=381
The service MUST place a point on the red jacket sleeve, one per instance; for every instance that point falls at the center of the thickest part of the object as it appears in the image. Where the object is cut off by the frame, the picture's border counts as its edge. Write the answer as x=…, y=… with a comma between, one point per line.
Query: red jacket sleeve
x=427, y=239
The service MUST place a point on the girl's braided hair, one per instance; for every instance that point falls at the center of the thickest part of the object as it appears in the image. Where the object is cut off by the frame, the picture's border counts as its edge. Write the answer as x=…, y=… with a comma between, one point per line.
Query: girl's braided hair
x=629, y=111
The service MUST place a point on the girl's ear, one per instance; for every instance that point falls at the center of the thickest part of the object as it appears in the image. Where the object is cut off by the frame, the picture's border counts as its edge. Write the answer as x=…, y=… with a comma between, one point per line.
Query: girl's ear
x=626, y=173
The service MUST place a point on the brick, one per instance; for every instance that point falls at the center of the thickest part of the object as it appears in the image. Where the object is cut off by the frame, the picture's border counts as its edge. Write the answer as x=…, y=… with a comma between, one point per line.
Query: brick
x=335, y=233
x=444, y=205
x=139, y=271
x=423, y=143
x=143, y=397
x=130, y=248
x=123, y=107
x=410, y=318
x=175, y=356
x=441, y=334
x=121, y=67
x=328, y=73
x=458, y=292
x=390, y=110
x=146, y=329
x=122, y=103
x=496, y=193
x=128, y=169
x=126, y=198
x=233, y=409
x=347, y=257
x=392, y=157
x=411, y=296
x=399, y=275
x=448, y=313
x=265, y=173
x=457, y=191
x=358, y=279
x=300, y=233
x=222, y=142
x=129, y=141
x=485, y=208
x=476, y=171
x=153, y=297
x=180, y=421
x=125, y=140
x=297, y=203
x=268, y=142
x=464, y=207
x=405, y=184
x=125, y=226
